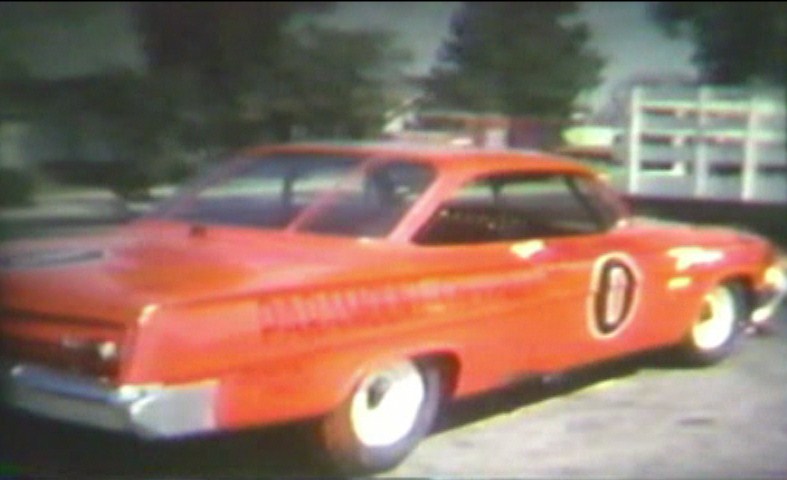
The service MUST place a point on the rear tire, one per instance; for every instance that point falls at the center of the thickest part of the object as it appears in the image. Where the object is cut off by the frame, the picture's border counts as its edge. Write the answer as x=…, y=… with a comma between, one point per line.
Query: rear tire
x=382, y=421
x=713, y=334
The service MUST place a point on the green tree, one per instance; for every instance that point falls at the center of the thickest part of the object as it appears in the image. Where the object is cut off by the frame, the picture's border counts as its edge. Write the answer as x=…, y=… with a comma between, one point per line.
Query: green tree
x=736, y=42
x=332, y=83
x=515, y=58
x=128, y=114
x=12, y=68
x=17, y=19
x=208, y=57
x=238, y=73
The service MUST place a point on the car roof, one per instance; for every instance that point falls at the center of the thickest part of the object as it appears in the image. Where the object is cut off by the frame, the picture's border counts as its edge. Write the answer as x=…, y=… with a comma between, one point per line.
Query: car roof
x=442, y=157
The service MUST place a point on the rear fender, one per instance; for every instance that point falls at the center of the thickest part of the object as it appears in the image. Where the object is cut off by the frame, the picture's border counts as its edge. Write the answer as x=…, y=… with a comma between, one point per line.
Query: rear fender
x=307, y=386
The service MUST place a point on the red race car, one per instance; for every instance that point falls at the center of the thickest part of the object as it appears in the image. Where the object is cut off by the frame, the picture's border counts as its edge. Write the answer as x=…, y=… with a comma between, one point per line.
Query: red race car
x=361, y=285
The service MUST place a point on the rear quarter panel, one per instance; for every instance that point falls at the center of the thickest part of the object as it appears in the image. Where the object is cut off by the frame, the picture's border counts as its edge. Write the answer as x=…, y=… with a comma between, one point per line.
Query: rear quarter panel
x=299, y=353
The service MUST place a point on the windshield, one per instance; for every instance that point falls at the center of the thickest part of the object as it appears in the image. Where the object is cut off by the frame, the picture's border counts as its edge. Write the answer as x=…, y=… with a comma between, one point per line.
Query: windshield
x=305, y=192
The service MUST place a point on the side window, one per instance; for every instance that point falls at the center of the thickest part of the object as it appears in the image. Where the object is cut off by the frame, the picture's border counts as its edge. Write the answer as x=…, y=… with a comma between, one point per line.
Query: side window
x=513, y=207
x=373, y=203
x=267, y=193
x=601, y=199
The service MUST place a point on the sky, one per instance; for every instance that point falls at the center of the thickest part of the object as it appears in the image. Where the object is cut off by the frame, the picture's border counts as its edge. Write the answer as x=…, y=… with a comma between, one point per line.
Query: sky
x=620, y=31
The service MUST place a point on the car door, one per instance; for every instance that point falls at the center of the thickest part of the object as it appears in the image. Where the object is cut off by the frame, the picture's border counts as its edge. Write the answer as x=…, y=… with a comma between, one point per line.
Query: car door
x=503, y=231
x=597, y=277
x=542, y=212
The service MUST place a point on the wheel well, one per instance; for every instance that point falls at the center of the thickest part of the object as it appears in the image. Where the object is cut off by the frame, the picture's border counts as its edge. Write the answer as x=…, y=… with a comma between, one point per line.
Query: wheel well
x=448, y=365
x=747, y=286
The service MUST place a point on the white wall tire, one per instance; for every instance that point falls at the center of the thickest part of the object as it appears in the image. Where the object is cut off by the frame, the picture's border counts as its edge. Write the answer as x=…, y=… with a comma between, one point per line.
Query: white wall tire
x=384, y=418
x=716, y=320
x=384, y=408
x=716, y=327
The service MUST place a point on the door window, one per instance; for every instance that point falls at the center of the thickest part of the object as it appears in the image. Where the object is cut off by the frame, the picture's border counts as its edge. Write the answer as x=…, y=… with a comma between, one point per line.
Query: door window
x=517, y=207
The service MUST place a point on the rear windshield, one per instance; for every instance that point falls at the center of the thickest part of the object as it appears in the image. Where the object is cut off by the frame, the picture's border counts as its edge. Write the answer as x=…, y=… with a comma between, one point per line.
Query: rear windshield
x=314, y=193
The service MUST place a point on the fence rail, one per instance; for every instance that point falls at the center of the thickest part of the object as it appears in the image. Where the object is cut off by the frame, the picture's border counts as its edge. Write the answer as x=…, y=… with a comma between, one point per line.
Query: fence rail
x=707, y=143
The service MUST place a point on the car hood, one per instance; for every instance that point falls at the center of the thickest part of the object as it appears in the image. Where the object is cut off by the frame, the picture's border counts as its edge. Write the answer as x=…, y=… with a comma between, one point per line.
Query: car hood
x=116, y=276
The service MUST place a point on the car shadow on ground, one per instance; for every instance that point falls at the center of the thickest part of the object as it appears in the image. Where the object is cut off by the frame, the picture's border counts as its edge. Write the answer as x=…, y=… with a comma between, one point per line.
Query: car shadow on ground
x=538, y=389
x=41, y=449
x=45, y=450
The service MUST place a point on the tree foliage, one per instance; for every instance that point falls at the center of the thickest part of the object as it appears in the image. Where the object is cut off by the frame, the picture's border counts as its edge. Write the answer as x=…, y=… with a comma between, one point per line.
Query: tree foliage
x=112, y=117
x=22, y=24
x=12, y=68
x=207, y=57
x=218, y=75
x=240, y=72
x=736, y=42
x=332, y=83
x=517, y=58
x=221, y=43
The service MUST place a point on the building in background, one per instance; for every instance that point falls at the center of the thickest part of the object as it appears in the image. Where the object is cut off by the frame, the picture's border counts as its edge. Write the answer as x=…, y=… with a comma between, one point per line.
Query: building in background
x=469, y=129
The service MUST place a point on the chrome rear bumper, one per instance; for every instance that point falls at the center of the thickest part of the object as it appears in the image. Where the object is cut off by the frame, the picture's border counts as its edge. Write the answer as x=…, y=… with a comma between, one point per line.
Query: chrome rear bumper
x=150, y=411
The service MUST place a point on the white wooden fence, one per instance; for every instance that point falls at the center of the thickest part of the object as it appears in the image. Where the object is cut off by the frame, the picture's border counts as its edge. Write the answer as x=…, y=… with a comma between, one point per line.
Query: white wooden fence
x=707, y=142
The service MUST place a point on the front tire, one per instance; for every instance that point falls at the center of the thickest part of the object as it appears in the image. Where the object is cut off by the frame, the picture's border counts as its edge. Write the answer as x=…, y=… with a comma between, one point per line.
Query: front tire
x=713, y=334
x=388, y=413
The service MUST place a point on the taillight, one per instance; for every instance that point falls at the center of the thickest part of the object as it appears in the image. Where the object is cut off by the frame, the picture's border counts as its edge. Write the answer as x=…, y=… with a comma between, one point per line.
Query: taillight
x=97, y=357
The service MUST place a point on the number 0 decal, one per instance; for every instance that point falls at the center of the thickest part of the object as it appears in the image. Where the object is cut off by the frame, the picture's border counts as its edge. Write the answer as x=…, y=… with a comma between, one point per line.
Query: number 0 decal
x=614, y=294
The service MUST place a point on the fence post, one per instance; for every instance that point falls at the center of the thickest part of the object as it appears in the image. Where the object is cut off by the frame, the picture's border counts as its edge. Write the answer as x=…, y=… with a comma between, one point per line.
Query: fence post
x=700, y=145
x=749, y=167
x=634, y=160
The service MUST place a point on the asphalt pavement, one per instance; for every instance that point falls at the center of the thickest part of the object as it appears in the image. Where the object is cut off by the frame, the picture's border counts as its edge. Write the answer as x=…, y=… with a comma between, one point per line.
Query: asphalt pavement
x=637, y=419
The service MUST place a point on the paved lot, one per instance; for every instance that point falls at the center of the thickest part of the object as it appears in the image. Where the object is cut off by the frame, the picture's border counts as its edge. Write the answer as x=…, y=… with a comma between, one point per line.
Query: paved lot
x=631, y=421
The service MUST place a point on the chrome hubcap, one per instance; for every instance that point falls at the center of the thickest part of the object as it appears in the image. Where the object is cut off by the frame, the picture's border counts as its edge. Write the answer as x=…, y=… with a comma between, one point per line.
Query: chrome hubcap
x=717, y=319
x=385, y=407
